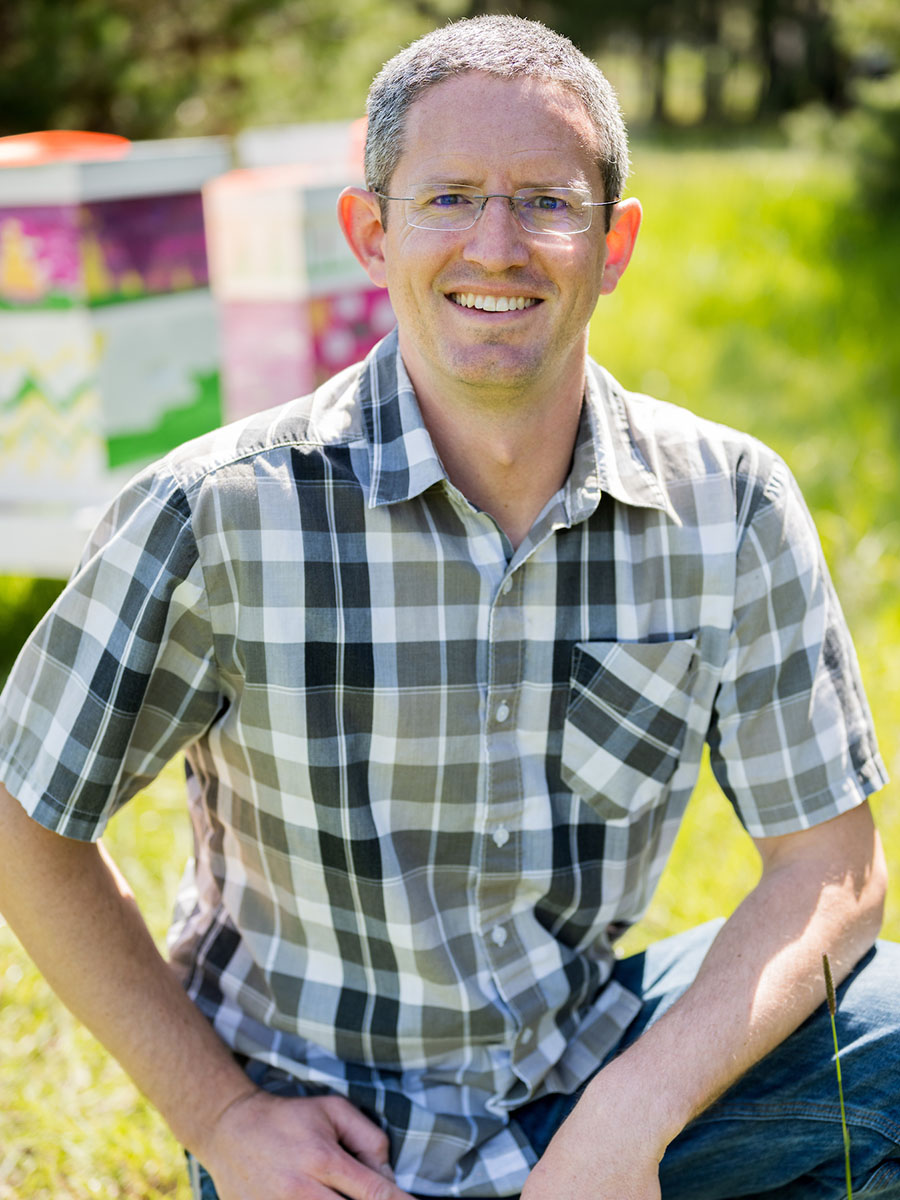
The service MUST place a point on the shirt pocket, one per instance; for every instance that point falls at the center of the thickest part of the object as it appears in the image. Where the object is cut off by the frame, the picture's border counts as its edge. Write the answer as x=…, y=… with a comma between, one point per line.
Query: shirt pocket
x=626, y=721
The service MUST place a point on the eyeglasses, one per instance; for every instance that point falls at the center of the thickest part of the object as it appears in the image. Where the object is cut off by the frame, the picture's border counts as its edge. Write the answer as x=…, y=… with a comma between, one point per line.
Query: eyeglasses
x=452, y=207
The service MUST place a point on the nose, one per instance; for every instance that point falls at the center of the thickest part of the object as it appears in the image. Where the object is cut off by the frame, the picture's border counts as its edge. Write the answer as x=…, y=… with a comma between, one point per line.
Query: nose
x=497, y=241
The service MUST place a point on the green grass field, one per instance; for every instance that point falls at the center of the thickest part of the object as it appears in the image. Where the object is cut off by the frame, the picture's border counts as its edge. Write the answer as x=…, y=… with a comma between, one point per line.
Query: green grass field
x=760, y=295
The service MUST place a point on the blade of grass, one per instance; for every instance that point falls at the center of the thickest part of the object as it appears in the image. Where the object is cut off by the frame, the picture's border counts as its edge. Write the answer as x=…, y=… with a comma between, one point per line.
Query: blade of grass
x=832, y=1009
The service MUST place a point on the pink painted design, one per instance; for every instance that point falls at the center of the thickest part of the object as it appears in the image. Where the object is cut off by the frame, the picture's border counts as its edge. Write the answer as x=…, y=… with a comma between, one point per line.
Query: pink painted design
x=158, y=239
x=39, y=254
x=346, y=326
x=275, y=350
x=56, y=255
x=266, y=354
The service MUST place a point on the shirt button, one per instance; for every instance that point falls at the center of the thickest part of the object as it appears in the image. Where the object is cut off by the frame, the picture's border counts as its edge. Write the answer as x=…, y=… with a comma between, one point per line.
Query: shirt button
x=502, y=711
x=526, y=1035
x=501, y=836
x=498, y=935
x=507, y=586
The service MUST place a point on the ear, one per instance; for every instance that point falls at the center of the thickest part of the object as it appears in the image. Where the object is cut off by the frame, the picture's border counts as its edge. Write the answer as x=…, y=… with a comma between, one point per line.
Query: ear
x=623, y=231
x=360, y=218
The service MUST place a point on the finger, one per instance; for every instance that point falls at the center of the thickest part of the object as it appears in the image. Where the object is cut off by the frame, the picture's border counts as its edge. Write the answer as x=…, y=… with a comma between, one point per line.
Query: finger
x=351, y=1178
x=357, y=1133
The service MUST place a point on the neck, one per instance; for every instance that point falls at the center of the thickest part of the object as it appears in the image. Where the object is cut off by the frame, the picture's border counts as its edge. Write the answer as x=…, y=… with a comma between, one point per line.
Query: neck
x=507, y=454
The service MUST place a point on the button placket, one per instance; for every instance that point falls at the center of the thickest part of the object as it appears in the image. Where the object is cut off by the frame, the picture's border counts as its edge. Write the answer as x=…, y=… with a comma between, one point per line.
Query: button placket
x=499, y=844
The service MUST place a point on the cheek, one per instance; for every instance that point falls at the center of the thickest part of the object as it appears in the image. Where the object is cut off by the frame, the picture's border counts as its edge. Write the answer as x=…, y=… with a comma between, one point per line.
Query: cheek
x=415, y=258
x=590, y=280
x=405, y=274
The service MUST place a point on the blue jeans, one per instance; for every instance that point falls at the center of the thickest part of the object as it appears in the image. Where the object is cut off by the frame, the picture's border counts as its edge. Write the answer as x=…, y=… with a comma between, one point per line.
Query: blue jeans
x=777, y=1132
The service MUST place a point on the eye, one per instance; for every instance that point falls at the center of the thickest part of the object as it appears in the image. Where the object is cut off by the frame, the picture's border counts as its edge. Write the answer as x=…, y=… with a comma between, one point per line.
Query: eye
x=448, y=200
x=547, y=202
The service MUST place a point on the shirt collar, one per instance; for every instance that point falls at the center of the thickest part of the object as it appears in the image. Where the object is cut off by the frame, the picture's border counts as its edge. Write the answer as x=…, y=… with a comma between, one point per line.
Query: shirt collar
x=404, y=462
x=608, y=457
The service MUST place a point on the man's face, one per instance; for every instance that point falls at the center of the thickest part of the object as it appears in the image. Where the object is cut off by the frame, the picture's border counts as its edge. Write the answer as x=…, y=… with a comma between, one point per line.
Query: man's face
x=497, y=135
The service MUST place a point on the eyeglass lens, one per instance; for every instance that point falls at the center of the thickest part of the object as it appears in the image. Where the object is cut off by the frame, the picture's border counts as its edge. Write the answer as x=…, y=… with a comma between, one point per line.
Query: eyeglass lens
x=539, y=210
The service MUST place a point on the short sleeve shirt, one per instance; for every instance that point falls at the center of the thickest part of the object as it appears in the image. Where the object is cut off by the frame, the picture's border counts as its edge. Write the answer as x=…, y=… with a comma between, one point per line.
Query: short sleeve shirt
x=431, y=776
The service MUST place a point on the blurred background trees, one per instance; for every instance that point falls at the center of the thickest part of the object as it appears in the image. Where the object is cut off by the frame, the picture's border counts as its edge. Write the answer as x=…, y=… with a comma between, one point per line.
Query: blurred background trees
x=870, y=32
x=166, y=67
x=156, y=67
x=746, y=58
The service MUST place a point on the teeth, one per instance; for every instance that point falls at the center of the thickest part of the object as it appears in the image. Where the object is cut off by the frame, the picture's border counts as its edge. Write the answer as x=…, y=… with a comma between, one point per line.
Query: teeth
x=492, y=303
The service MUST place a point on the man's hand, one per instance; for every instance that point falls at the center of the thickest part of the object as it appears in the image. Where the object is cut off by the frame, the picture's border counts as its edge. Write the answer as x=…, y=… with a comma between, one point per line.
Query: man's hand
x=589, y=1160
x=268, y=1148
x=76, y=916
x=821, y=891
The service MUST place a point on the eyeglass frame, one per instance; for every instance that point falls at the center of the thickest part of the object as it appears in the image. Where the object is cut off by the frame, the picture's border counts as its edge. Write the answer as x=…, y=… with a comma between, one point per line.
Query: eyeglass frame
x=510, y=199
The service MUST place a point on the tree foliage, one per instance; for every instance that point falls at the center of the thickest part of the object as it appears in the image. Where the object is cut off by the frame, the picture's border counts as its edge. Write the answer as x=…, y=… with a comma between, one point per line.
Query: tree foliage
x=870, y=29
x=788, y=46
x=150, y=68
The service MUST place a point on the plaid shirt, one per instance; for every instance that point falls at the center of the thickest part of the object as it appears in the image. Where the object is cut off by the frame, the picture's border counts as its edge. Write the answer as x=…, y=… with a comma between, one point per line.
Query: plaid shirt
x=430, y=776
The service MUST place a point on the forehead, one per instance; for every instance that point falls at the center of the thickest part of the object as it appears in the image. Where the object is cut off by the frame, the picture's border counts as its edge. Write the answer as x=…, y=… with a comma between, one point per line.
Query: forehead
x=533, y=130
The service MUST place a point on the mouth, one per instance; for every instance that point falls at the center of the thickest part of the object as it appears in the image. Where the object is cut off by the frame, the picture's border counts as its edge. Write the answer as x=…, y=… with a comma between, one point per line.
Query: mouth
x=492, y=303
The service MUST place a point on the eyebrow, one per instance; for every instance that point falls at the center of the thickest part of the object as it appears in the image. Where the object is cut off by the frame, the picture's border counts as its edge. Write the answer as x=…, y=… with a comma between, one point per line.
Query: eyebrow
x=442, y=182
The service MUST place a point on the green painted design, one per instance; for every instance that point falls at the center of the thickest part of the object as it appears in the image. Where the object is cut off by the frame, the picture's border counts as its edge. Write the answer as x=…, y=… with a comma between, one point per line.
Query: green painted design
x=32, y=390
x=51, y=301
x=56, y=302
x=177, y=425
x=136, y=297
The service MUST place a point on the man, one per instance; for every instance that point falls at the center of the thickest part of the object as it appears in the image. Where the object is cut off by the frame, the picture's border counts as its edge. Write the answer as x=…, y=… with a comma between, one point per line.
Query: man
x=443, y=644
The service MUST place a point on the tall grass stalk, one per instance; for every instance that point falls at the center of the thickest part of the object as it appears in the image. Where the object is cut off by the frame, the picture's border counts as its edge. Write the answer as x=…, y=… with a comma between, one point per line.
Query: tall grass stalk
x=832, y=1009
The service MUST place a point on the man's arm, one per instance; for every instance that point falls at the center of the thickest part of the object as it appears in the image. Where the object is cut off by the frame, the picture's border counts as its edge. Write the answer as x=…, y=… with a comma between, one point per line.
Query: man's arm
x=77, y=918
x=821, y=892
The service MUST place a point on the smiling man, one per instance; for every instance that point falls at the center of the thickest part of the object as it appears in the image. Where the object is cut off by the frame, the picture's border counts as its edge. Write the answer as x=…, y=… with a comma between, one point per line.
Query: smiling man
x=442, y=645
x=494, y=258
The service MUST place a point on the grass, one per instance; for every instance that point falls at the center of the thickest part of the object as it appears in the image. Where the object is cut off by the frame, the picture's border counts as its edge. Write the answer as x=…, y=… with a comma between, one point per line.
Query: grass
x=72, y=1125
x=832, y=1012
x=759, y=295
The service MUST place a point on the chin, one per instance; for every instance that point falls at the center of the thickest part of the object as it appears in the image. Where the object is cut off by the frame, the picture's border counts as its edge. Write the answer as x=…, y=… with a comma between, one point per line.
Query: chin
x=496, y=370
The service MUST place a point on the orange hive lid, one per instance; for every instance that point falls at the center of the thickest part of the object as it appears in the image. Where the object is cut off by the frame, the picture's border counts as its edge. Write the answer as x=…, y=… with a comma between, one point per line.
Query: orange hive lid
x=59, y=145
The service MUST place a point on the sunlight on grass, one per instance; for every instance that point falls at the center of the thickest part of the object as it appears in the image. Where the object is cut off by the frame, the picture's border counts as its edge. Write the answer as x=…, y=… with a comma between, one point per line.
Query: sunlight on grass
x=72, y=1124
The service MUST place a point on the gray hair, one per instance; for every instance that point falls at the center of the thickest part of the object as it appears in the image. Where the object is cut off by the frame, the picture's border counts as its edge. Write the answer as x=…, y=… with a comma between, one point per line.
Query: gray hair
x=503, y=46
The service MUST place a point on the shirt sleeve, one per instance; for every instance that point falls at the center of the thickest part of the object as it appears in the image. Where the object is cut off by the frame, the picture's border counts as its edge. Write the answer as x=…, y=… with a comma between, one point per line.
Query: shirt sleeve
x=120, y=674
x=792, y=742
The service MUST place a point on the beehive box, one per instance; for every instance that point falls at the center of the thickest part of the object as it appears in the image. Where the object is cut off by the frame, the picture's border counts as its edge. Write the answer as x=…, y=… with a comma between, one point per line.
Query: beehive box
x=96, y=232
x=296, y=305
x=109, y=336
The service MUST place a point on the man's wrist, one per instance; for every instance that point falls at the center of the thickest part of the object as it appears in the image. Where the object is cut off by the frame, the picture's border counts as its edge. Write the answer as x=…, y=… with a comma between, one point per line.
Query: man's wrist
x=642, y=1112
x=213, y=1125
x=198, y=1126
